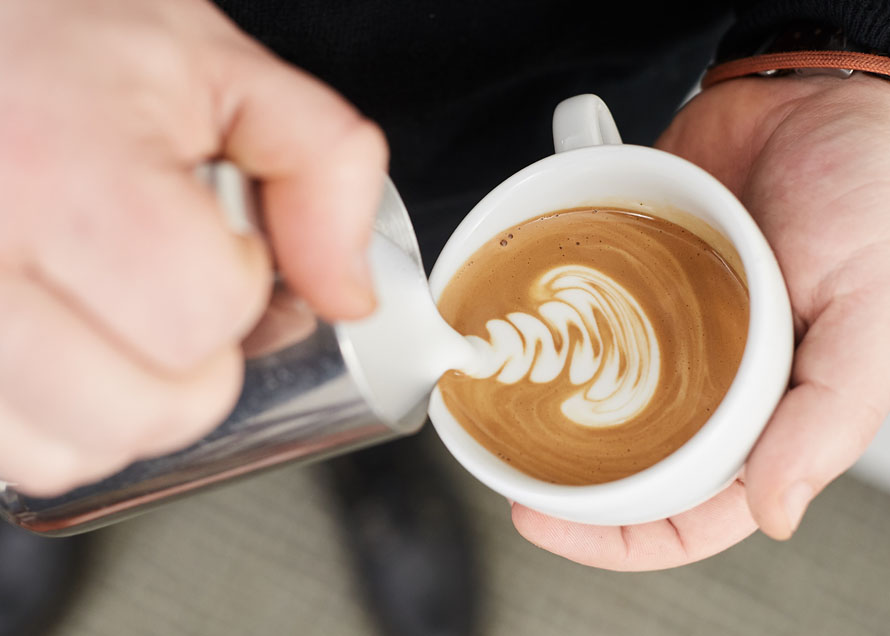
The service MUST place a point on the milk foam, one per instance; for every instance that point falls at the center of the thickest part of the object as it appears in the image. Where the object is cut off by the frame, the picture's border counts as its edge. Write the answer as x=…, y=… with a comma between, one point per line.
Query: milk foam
x=588, y=325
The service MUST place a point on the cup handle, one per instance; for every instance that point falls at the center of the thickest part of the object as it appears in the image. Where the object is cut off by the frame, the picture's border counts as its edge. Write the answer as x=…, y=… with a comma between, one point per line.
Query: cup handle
x=583, y=121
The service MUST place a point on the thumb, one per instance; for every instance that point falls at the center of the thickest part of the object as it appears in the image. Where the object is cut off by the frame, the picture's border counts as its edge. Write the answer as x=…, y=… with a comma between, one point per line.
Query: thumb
x=838, y=400
x=321, y=164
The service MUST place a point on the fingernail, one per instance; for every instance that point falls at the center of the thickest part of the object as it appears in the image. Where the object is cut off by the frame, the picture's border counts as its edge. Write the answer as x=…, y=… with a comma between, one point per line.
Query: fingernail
x=795, y=500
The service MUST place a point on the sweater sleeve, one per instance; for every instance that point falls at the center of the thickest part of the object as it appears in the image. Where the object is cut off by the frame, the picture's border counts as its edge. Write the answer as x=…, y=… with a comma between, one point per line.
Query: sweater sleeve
x=865, y=22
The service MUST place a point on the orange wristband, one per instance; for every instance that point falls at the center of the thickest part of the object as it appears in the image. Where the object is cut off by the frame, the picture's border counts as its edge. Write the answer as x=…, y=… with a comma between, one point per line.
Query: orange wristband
x=866, y=62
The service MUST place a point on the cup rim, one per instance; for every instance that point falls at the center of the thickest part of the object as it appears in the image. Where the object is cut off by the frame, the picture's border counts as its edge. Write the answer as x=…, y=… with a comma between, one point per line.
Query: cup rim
x=761, y=376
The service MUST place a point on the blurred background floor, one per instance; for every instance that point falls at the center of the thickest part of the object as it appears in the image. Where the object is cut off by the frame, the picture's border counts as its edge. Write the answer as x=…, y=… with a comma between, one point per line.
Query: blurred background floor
x=265, y=557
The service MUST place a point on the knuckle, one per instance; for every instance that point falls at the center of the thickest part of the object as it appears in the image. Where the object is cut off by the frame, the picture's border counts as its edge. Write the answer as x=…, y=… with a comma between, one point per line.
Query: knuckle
x=132, y=426
x=364, y=139
x=75, y=472
x=219, y=311
x=56, y=473
x=187, y=337
x=208, y=288
x=241, y=291
x=20, y=332
x=199, y=406
x=215, y=393
x=124, y=421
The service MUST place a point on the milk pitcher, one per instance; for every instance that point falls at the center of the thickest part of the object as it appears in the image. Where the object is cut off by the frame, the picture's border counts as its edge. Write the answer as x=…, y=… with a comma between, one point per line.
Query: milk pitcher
x=311, y=389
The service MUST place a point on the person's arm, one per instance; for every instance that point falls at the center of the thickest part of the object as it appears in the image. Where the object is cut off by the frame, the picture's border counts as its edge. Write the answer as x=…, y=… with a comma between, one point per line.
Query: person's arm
x=124, y=296
x=809, y=158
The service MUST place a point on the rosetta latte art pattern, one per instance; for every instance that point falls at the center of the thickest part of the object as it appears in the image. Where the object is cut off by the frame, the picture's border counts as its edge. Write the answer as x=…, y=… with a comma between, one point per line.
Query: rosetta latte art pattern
x=606, y=337
x=588, y=326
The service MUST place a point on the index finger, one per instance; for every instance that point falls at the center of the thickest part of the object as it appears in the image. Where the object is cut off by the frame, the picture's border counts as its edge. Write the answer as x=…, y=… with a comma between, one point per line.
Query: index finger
x=322, y=166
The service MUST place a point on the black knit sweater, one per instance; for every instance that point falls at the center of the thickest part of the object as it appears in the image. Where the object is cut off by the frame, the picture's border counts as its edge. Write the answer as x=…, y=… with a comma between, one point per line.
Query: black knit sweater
x=465, y=89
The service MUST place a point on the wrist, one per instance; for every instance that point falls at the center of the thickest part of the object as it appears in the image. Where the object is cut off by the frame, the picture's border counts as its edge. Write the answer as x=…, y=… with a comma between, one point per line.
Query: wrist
x=801, y=48
x=774, y=97
x=765, y=103
x=726, y=126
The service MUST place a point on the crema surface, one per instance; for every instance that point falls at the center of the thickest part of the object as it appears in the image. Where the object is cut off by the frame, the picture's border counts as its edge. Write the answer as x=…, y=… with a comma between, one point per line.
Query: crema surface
x=606, y=338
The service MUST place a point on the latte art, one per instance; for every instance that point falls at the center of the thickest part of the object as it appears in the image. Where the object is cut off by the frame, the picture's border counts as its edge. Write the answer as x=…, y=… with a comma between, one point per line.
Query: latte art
x=606, y=339
x=589, y=327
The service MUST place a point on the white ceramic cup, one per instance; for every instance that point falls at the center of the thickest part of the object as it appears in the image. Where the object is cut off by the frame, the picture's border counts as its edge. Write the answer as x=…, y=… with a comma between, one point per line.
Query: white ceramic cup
x=592, y=167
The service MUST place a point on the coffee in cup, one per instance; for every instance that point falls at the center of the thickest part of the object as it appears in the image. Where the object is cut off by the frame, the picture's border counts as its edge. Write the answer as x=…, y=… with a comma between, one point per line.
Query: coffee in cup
x=606, y=339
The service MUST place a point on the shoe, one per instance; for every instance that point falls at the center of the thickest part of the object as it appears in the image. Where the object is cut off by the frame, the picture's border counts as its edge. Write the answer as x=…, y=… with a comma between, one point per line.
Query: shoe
x=36, y=576
x=409, y=539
